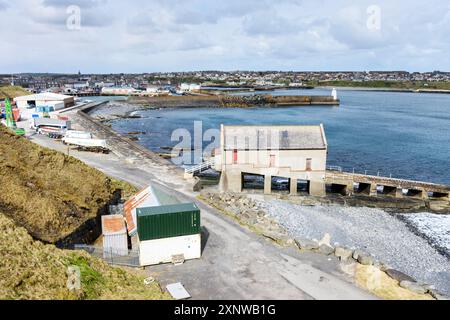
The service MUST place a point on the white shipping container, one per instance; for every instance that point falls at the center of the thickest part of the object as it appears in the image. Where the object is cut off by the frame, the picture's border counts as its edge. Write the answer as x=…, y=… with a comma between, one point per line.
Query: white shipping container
x=159, y=251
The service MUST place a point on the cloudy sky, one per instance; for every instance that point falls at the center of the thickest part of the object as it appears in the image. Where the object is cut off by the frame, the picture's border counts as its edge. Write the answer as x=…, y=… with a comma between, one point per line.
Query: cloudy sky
x=183, y=35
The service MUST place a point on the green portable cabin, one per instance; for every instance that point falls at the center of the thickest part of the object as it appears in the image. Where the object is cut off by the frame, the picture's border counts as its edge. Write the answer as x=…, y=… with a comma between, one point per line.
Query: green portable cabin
x=168, y=221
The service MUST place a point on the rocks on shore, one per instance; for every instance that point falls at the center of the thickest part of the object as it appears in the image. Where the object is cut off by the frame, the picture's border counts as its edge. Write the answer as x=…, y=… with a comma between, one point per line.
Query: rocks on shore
x=248, y=212
x=306, y=244
x=413, y=287
x=398, y=275
x=343, y=254
x=326, y=249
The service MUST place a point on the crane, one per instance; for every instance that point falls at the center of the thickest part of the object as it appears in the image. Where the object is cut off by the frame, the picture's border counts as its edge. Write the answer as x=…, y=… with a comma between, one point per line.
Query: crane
x=10, y=121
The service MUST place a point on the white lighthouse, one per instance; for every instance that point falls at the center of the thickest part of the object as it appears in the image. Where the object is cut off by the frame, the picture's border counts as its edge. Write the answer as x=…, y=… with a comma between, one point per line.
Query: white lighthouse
x=334, y=94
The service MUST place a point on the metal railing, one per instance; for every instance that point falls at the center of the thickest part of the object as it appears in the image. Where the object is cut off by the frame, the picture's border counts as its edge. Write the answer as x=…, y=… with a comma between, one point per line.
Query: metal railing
x=378, y=174
x=200, y=167
x=113, y=256
x=334, y=168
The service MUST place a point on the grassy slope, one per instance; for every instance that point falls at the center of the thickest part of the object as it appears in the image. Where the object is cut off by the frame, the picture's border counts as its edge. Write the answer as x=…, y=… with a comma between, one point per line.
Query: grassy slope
x=385, y=84
x=31, y=270
x=49, y=193
x=12, y=92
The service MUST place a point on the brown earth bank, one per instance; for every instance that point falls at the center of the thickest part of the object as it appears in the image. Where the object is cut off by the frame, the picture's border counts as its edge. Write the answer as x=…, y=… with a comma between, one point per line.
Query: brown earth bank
x=32, y=270
x=49, y=198
x=12, y=92
x=57, y=198
x=229, y=101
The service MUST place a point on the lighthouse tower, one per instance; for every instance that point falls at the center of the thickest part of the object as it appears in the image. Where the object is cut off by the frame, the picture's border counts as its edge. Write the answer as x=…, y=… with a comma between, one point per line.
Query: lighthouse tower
x=334, y=94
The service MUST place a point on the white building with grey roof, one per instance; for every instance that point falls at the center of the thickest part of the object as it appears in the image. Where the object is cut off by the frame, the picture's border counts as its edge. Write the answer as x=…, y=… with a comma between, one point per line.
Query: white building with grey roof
x=282, y=158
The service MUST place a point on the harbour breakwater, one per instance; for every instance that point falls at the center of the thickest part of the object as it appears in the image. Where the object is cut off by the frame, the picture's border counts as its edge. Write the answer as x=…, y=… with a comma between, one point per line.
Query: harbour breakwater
x=230, y=101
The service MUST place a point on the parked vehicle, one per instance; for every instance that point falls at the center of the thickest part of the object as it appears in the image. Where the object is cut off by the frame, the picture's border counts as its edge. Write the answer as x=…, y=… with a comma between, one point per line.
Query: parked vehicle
x=78, y=134
x=52, y=132
x=37, y=123
x=94, y=145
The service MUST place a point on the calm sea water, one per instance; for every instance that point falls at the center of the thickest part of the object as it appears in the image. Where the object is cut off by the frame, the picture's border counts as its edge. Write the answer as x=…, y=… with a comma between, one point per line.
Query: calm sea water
x=403, y=134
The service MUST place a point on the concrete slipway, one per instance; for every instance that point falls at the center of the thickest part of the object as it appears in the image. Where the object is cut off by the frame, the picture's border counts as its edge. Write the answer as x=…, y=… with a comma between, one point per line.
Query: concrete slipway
x=236, y=263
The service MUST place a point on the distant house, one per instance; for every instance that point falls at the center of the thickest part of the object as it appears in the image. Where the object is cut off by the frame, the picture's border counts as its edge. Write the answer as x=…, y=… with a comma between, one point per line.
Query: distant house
x=294, y=155
x=152, y=89
x=190, y=87
x=120, y=91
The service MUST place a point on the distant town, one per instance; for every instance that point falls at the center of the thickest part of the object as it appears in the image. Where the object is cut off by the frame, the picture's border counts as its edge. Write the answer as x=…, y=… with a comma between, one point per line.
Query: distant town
x=170, y=82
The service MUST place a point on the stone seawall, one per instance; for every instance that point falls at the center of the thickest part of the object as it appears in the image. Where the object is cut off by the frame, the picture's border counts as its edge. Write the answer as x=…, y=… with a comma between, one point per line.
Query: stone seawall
x=229, y=101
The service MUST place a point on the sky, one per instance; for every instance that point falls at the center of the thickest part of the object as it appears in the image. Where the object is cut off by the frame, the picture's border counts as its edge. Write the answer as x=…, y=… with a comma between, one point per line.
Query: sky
x=136, y=36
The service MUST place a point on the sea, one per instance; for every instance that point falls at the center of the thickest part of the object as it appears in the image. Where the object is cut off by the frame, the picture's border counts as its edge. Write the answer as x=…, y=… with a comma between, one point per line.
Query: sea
x=399, y=134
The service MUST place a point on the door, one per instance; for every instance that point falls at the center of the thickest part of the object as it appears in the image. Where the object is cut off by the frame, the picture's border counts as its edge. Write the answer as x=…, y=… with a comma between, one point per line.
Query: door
x=235, y=156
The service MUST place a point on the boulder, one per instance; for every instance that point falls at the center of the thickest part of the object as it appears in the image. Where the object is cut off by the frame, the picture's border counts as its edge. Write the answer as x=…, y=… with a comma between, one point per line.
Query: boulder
x=356, y=254
x=343, y=254
x=399, y=276
x=326, y=249
x=326, y=240
x=276, y=236
x=306, y=244
x=413, y=287
x=438, y=296
x=365, y=259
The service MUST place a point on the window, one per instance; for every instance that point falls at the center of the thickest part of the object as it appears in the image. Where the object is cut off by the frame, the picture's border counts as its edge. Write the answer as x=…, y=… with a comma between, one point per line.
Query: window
x=272, y=160
x=309, y=164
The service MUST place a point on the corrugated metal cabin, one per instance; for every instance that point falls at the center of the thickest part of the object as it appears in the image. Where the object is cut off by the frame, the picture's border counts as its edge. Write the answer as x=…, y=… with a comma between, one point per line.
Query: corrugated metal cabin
x=165, y=232
x=115, y=237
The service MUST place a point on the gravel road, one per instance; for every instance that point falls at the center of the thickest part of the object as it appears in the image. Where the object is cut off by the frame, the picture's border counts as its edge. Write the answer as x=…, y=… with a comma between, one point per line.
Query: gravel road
x=374, y=231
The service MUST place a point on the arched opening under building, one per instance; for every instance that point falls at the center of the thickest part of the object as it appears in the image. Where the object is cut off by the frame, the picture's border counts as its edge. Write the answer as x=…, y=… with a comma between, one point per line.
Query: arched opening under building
x=253, y=182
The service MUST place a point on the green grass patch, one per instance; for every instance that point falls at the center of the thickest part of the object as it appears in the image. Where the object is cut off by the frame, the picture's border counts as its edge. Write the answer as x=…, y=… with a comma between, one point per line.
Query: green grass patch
x=91, y=280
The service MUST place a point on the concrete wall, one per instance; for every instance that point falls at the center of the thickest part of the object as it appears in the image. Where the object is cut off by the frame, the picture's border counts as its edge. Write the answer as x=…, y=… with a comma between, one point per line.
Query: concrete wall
x=295, y=160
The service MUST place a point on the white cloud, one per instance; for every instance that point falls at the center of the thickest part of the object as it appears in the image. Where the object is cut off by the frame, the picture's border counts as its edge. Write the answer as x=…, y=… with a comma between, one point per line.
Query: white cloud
x=139, y=35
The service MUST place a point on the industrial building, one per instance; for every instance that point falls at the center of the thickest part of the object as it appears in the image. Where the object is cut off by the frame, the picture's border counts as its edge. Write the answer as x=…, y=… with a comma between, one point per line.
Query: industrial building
x=40, y=103
x=294, y=155
x=46, y=99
